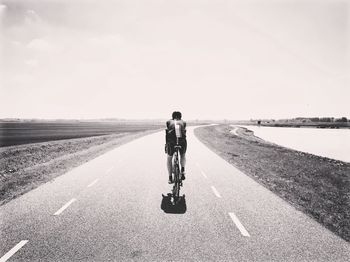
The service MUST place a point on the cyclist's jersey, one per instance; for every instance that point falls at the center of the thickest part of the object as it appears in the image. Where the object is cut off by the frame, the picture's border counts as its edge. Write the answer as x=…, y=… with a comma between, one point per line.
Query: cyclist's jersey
x=175, y=133
x=176, y=129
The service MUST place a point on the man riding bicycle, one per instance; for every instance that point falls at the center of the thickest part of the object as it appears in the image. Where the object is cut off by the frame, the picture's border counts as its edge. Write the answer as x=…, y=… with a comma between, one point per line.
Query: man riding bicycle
x=176, y=134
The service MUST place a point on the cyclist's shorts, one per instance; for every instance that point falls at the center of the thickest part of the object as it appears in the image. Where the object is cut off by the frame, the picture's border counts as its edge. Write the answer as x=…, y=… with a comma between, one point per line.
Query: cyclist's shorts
x=170, y=147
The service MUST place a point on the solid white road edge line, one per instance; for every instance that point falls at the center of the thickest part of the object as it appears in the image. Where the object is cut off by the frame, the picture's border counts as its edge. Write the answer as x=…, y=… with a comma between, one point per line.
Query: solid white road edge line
x=13, y=250
x=215, y=192
x=92, y=183
x=239, y=225
x=64, y=207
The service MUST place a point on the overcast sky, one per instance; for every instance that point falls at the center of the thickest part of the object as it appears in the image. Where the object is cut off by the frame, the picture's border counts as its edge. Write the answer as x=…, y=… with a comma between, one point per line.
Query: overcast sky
x=143, y=59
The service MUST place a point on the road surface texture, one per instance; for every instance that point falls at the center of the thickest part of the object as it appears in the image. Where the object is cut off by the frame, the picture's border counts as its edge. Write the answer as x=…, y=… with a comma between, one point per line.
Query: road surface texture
x=109, y=209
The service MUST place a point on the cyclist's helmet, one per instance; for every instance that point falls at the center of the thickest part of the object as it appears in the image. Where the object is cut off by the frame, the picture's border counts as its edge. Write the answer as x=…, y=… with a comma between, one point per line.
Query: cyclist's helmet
x=176, y=115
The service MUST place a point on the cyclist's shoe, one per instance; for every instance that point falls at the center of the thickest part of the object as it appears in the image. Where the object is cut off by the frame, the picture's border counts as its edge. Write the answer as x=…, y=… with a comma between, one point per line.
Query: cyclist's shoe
x=183, y=176
x=183, y=173
x=170, y=181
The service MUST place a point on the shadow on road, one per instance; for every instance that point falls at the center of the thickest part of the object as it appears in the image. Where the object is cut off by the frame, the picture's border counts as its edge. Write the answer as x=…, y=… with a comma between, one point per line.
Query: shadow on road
x=168, y=207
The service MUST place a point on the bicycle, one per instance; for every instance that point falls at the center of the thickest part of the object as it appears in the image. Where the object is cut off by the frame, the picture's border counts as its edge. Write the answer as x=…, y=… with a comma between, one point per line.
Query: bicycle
x=177, y=175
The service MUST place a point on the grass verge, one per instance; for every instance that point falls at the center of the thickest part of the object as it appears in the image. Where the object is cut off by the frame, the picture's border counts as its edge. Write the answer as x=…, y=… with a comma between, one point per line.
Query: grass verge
x=25, y=167
x=318, y=186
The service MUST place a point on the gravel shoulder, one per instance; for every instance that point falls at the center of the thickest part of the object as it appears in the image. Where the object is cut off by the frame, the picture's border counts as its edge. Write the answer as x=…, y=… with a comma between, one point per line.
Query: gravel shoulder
x=25, y=167
x=317, y=186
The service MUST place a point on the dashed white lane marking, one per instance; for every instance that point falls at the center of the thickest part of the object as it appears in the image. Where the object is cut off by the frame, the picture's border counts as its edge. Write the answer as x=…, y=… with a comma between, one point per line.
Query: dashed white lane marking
x=109, y=170
x=239, y=225
x=13, y=250
x=64, y=207
x=203, y=174
x=215, y=192
x=92, y=183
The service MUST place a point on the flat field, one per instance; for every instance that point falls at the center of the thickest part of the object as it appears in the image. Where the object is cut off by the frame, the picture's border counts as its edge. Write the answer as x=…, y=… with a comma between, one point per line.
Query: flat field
x=295, y=124
x=25, y=132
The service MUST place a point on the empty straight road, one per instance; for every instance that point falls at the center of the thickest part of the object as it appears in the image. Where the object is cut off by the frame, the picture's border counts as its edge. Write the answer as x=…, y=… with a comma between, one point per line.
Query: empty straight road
x=109, y=209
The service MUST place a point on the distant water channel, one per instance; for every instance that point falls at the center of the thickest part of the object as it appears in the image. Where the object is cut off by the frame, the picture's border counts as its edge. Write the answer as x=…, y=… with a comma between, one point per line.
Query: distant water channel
x=331, y=143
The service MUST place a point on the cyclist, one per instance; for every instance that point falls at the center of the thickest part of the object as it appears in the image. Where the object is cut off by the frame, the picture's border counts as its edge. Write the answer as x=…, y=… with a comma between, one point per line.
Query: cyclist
x=175, y=132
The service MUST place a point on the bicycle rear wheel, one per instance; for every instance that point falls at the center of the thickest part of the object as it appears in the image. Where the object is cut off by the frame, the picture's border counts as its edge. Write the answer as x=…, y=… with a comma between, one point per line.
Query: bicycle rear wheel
x=177, y=181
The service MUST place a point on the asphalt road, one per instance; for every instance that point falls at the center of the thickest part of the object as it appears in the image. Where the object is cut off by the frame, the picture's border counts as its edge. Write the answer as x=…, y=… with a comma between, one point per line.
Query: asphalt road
x=109, y=209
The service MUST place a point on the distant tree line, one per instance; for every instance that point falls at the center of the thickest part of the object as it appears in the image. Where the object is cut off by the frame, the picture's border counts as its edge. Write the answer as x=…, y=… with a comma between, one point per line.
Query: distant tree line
x=306, y=120
x=328, y=119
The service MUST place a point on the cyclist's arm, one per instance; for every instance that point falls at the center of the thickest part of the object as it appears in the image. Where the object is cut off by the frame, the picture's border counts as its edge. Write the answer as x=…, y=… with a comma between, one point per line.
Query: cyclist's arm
x=167, y=131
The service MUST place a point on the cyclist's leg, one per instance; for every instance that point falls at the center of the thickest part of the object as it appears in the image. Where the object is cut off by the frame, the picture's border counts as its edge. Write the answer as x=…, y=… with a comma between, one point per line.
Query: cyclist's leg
x=169, y=164
x=183, y=161
x=183, y=164
x=170, y=153
x=183, y=158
